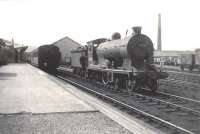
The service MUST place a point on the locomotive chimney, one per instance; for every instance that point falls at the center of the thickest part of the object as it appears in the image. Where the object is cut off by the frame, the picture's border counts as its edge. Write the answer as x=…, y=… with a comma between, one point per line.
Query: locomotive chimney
x=137, y=30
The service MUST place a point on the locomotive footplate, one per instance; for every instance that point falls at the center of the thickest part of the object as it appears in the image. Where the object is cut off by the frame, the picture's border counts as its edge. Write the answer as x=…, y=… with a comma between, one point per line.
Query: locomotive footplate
x=119, y=71
x=124, y=79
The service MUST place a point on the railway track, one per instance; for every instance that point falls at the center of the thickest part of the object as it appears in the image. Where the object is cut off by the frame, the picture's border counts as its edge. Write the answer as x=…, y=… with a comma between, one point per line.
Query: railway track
x=182, y=84
x=188, y=77
x=170, y=113
x=186, y=104
x=180, y=88
x=177, y=74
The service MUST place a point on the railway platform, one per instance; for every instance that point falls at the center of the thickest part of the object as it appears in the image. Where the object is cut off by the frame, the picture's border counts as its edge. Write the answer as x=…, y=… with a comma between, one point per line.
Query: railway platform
x=31, y=102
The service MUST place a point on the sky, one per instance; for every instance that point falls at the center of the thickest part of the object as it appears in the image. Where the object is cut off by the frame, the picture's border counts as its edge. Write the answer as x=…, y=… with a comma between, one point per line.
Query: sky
x=39, y=22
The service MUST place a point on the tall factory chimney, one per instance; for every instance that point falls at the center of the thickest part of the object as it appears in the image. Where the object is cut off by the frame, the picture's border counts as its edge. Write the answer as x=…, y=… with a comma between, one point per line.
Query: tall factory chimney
x=159, y=41
x=12, y=42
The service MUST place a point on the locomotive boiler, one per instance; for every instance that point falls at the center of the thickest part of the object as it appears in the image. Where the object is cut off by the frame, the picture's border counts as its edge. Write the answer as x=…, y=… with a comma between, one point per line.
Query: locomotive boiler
x=136, y=49
x=122, y=63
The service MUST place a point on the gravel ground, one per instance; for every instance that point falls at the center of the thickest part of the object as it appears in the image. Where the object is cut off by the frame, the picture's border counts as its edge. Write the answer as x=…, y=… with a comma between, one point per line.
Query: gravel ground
x=60, y=123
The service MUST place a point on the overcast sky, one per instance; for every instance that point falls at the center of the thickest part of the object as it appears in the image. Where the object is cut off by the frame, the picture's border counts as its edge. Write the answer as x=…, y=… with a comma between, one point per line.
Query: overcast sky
x=38, y=22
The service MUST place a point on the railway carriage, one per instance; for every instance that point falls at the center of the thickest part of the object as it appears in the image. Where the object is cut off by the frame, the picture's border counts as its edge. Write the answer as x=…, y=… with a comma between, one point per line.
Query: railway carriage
x=3, y=52
x=197, y=58
x=3, y=55
x=46, y=57
x=191, y=61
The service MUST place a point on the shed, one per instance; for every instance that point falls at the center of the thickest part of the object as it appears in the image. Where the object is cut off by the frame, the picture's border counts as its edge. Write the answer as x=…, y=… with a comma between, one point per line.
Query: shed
x=65, y=46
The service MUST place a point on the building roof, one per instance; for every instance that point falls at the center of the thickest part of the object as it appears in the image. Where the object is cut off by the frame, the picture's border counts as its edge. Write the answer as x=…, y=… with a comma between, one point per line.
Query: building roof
x=66, y=37
x=30, y=49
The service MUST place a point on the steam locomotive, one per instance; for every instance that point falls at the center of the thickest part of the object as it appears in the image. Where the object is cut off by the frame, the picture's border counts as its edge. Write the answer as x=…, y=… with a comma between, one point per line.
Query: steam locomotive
x=121, y=63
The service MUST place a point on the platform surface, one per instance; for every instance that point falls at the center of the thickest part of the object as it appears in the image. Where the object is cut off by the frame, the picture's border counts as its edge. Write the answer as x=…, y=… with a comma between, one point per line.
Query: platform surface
x=60, y=123
x=32, y=103
x=24, y=88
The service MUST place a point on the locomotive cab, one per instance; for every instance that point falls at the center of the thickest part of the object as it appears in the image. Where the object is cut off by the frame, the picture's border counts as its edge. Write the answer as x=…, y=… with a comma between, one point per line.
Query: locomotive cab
x=92, y=50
